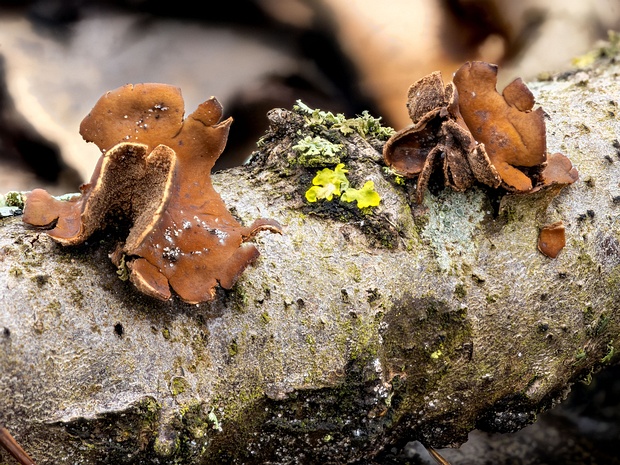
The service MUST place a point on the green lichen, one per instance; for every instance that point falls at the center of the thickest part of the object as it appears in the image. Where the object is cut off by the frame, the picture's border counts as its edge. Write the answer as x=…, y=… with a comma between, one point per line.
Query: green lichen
x=454, y=220
x=328, y=184
x=365, y=124
x=122, y=271
x=213, y=419
x=610, y=352
x=13, y=199
x=316, y=151
x=365, y=197
x=435, y=355
x=397, y=178
x=580, y=355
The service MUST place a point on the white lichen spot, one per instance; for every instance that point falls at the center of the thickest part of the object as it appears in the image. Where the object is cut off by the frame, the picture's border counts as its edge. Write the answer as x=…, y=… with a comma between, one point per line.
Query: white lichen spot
x=168, y=235
x=171, y=253
x=221, y=235
x=186, y=224
x=454, y=219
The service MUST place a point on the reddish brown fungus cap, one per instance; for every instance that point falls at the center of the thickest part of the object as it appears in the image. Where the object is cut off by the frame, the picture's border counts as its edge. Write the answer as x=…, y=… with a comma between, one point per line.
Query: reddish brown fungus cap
x=429, y=103
x=559, y=170
x=512, y=133
x=438, y=137
x=475, y=134
x=552, y=239
x=155, y=172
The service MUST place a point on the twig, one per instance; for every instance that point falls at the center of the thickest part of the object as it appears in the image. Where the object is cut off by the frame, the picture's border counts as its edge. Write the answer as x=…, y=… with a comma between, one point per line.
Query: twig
x=438, y=458
x=9, y=443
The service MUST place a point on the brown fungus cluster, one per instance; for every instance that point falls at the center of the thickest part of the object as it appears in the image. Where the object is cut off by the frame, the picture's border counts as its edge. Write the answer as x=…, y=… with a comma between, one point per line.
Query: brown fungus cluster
x=155, y=172
x=474, y=134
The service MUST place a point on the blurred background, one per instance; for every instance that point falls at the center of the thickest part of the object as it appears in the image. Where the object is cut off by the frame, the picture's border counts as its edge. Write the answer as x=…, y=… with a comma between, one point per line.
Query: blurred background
x=58, y=57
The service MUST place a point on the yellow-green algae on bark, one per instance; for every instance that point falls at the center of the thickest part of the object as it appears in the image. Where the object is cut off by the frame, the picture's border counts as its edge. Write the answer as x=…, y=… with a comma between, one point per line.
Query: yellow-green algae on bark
x=353, y=331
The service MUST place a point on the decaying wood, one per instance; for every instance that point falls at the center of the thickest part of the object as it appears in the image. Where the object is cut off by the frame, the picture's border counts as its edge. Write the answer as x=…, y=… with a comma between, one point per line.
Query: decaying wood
x=350, y=333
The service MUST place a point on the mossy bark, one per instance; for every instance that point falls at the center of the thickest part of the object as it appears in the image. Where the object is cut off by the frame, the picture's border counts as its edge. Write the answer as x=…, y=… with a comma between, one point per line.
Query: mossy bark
x=352, y=331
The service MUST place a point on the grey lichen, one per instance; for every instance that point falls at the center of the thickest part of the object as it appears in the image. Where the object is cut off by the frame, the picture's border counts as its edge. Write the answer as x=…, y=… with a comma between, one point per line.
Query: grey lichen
x=452, y=227
x=316, y=151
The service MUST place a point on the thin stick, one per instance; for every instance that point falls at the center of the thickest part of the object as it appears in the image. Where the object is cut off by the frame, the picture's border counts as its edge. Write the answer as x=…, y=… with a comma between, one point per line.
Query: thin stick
x=10, y=444
x=438, y=458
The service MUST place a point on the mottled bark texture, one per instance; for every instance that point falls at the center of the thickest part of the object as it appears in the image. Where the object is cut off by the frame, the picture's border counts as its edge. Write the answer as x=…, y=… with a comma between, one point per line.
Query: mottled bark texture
x=350, y=333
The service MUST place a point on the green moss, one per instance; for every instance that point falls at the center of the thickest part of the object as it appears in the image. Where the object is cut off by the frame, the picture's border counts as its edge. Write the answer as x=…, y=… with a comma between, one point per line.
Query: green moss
x=54, y=306
x=265, y=318
x=601, y=324
x=165, y=332
x=580, y=355
x=460, y=291
x=233, y=348
x=423, y=328
x=166, y=448
x=178, y=385
x=16, y=271
x=77, y=297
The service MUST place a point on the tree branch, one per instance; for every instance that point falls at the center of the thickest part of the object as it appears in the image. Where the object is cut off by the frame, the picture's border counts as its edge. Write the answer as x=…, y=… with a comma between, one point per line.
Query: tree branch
x=351, y=332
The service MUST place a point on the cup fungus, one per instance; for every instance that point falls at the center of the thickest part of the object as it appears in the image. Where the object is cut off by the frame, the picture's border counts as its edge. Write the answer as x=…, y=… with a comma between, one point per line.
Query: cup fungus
x=155, y=173
x=552, y=239
x=476, y=134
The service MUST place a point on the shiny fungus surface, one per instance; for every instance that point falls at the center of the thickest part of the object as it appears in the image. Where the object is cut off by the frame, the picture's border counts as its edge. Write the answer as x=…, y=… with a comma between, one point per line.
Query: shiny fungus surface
x=155, y=172
x=552, y=239
x=512, y=132
x=474, y=133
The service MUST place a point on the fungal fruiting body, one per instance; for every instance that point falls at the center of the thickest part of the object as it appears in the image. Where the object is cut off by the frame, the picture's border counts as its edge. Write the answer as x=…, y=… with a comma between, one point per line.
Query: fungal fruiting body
x=476, y=134
x=552, y=239
x=155, y=172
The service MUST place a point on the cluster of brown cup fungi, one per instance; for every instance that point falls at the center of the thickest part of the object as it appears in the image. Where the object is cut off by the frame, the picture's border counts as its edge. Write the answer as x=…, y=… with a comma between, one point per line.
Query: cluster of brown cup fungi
x=155, y=173
x=474, y=134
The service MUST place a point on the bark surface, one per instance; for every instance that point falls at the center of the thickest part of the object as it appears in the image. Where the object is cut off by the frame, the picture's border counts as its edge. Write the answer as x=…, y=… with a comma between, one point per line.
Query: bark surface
x=353, y=331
